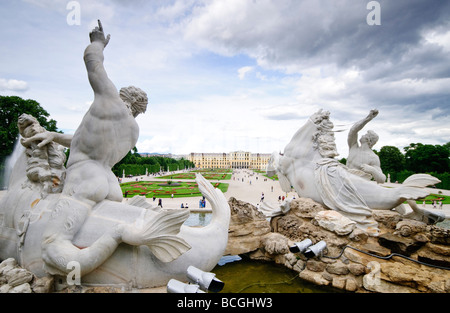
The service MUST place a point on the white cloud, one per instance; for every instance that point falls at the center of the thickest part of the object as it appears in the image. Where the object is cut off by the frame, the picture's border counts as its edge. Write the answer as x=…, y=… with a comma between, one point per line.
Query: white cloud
x=192, y=57
x=243, y=71
x=13, y=85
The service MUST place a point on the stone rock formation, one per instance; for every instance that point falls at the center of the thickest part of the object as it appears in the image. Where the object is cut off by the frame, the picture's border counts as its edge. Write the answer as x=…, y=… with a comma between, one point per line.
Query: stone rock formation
x=247, y=227
x=14, y=279
x=407, y=257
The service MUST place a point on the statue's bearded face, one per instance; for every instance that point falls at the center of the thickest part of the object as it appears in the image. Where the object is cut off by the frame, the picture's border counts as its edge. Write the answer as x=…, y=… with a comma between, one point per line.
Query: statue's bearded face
x=327, y=145
x=28, y=125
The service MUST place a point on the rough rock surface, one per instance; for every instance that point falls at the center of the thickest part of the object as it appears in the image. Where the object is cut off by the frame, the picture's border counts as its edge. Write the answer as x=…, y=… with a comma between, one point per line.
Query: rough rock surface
x=247, y=227
x=14, y=279
x=352, y=260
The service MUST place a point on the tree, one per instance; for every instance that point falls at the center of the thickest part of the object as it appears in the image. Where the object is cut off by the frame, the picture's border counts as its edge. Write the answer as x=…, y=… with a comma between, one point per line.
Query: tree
x=11, y=107
x=392, y=159
x=447, y=145
x=422, y=158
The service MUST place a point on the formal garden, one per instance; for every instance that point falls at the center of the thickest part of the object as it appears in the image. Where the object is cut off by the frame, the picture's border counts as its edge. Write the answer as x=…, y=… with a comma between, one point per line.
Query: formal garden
x=165, y=189
x=191, y=175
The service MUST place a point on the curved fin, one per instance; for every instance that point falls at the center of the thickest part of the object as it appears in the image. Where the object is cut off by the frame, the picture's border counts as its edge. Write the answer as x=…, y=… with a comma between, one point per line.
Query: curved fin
x=219, y=204
x=420, y=180
x=158, y=231
x=168, y=247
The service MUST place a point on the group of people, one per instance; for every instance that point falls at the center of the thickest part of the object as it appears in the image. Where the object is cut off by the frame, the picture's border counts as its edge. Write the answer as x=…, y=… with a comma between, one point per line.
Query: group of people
x=202, y=203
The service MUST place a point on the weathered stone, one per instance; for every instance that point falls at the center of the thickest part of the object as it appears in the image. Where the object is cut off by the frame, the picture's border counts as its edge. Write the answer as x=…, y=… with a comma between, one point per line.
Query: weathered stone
x=387, y=218
x=404, y=274
x=439, y=249
x=358, y=235
x=338, y=282
x=5, y=288
x=299, y=266
x=247, y=228
x=243, y=212
x=291, y=227
x=275, y=243
x=381, y=286
x=337, y=268
x=291, y=258
x=356, y=269
x=11, y=262
x=335, y=222
x=42, y=284
x=315, y=266
x=327, y=276
x=351, y=284
x=407, y=228
x=376, y=249
x=305, y=208
x=313, y=277
x=18, y=276
x=23, y=288
x=242, y=245
x=440, y=235
x=429, y=256
x=398, y=244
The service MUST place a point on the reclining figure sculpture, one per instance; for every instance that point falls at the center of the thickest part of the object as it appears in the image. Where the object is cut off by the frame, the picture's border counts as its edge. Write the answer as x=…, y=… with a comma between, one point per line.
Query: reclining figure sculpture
x=51, y=217
x=308, y=164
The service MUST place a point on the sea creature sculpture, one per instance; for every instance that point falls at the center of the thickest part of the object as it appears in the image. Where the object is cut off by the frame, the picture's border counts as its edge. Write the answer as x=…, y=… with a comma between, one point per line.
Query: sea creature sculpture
x=308, y=164
x=87, y=223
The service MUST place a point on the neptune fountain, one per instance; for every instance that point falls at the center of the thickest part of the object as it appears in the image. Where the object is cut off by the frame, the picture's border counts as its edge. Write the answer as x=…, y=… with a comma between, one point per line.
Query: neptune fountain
x=54, y=216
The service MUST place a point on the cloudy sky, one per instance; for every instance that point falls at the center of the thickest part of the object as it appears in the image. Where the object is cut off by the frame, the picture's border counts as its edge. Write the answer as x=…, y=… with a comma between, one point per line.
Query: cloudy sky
x=227, y=75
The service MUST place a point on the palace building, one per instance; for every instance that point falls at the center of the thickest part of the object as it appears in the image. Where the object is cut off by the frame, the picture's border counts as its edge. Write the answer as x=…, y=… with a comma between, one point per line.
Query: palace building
x=232, y=160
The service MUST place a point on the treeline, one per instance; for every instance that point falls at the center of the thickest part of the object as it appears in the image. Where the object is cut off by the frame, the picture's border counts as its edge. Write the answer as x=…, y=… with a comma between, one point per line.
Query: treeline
x=417, y=158
x=134, y=164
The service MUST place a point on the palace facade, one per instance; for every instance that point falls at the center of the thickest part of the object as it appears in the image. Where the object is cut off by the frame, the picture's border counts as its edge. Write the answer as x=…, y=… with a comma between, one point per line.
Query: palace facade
x=232, y=160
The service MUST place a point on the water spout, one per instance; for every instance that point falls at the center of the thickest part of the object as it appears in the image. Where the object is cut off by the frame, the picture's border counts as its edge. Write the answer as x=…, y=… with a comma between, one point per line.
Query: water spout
x=10, y=161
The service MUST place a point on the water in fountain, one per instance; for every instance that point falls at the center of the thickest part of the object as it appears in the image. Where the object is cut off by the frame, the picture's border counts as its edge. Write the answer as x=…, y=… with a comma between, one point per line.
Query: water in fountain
x=9, y=164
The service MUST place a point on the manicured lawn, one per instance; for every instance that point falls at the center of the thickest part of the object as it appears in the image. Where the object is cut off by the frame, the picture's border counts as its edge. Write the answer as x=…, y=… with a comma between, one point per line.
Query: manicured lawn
x=274, y=177
x=216, y=170
x=207, y=175
x=165, y=189
x=430, y=198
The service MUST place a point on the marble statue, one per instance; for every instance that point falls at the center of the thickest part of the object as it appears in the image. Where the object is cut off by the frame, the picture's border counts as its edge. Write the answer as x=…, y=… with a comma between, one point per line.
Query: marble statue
x=50, y=219
x=45, y=168
x=308, y=164
x=361, y=156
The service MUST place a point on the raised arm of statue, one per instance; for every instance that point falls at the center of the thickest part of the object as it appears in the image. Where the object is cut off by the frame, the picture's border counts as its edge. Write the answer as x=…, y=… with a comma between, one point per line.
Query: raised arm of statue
x=93, y=58
x=352, y=138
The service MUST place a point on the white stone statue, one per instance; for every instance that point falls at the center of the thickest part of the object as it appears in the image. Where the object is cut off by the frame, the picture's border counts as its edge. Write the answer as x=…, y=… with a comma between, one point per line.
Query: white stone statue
x=114, y=243
x=361, y=156
x=308, y=165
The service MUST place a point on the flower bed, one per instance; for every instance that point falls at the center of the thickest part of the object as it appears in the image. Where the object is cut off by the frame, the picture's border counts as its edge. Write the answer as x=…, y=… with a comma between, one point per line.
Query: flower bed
x=182, y=189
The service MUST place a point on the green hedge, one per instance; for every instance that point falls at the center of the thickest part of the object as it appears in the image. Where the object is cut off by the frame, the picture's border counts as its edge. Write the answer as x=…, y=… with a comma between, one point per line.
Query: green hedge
x=443, y=177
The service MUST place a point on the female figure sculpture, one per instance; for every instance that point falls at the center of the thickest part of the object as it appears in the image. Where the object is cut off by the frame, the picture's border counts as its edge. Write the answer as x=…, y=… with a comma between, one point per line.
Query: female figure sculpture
x=361, y=156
